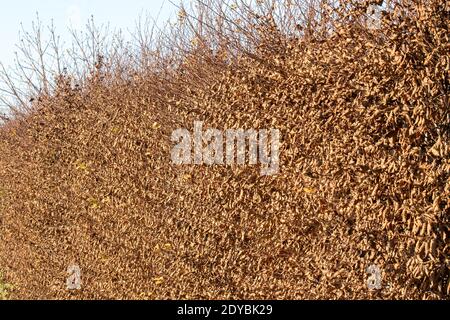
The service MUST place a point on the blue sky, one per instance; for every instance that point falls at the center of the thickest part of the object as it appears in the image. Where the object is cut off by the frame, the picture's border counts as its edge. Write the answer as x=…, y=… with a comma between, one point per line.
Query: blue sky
x=121, y=14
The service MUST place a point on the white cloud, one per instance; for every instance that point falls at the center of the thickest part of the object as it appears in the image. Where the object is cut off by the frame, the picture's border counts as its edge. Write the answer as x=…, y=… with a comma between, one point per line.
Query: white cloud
x=73, y=17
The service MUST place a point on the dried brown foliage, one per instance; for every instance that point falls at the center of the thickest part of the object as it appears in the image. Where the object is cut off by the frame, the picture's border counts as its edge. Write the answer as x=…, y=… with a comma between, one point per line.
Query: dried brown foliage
x=86, y=175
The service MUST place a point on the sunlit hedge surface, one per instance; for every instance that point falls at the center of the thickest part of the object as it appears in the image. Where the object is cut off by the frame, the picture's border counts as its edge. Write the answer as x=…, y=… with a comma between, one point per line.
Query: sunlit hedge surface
x=363, y=111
